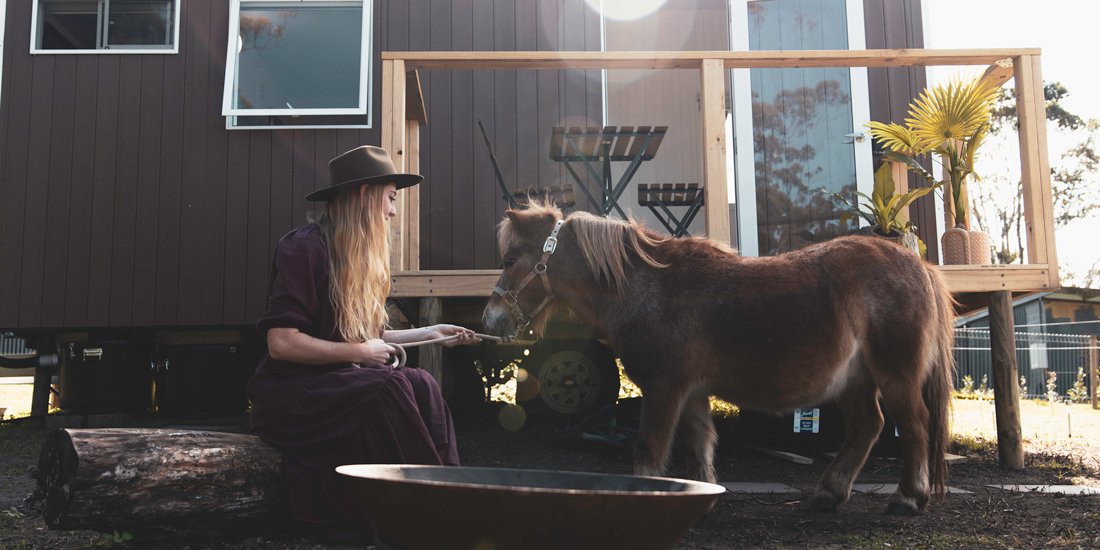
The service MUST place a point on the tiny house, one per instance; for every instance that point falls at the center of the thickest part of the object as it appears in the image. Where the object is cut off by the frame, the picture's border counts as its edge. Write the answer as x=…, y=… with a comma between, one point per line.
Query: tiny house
x=152, y=152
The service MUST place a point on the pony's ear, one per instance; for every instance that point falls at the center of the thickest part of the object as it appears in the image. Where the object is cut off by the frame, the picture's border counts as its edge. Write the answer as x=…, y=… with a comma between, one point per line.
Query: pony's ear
x=513, y=216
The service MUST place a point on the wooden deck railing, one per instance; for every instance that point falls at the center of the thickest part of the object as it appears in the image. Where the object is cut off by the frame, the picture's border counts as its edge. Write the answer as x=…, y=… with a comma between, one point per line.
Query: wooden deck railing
x=400, y=136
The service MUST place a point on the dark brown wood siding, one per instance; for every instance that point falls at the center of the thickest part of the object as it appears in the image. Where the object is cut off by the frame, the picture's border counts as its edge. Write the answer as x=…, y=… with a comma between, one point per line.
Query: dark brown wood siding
x=124, y=201
x=898, y=24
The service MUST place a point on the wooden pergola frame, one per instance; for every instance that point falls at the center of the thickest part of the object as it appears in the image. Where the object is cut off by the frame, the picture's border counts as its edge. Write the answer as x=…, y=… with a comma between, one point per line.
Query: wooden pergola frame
x=403, y=112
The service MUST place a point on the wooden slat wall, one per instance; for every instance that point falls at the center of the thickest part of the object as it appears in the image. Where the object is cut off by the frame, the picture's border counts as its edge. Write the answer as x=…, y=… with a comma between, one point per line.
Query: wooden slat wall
x=899, y=24
x=125, y=202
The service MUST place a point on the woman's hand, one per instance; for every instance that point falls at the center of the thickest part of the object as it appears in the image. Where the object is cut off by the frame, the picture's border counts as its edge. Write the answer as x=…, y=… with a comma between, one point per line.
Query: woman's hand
x=465, y=335
x=375, y=352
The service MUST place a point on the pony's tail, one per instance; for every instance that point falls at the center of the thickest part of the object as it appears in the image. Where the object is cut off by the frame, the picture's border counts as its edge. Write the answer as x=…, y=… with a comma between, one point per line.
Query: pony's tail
x=937, y=388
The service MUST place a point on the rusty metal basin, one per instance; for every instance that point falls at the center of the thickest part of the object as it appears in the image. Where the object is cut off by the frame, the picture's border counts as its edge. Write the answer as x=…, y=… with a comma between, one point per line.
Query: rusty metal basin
x=425, y=507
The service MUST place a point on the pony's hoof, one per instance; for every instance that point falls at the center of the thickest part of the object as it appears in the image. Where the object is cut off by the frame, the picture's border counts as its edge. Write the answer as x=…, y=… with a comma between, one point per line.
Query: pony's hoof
x=823, y=503
x=896, y=508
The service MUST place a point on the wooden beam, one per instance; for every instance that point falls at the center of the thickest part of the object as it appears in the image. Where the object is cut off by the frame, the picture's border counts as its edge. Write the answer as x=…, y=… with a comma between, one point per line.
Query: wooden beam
x=411, y=199
x=693, y=59
x=999, y=72
x=479, y=282
x=1034, y=165
x=414, y=99
x=393, y=141
x=431, y=355
x=451, y=283
x=984, y=278
x=1006, y=392
x=715, y=194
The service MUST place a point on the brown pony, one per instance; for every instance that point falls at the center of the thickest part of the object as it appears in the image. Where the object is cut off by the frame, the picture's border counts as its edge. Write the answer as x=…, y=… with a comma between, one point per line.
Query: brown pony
x=854, y=318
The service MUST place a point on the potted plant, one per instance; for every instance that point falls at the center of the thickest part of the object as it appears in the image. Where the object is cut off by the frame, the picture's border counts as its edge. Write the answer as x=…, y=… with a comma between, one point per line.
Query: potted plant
x=948, y=123
x=885, y=209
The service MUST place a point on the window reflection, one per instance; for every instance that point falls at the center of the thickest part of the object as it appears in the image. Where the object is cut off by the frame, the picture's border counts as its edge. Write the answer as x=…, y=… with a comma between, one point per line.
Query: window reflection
x=104, y=24
x=299, y=58
x=800, y=117
x=139, y=23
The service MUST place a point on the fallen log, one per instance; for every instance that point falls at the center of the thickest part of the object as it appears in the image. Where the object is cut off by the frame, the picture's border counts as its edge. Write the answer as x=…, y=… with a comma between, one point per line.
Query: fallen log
x=161, y=483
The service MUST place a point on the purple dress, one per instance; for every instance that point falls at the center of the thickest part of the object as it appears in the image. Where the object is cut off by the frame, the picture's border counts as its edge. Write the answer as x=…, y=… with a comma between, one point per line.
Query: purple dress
x=323, y=416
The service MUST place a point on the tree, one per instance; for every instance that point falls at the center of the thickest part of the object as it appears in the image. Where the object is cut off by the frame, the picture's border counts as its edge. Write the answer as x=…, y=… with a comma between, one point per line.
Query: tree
x=1074, y=178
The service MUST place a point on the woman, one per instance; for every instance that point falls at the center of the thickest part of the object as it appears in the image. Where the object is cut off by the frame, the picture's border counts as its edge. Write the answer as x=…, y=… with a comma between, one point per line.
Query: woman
x=324, y=395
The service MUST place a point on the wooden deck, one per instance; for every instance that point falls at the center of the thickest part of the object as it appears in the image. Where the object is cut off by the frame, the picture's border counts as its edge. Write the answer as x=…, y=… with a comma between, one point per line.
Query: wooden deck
x=400, y=136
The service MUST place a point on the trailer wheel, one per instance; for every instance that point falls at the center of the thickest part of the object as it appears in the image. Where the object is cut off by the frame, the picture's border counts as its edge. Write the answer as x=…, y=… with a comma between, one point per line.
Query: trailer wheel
x=566, y=378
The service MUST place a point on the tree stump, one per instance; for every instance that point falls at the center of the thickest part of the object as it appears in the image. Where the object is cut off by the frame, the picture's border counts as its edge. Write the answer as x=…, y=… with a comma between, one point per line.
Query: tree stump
x=162, y=483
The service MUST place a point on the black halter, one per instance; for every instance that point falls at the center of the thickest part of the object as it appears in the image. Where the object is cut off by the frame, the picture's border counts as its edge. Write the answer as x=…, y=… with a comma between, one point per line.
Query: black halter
x=511, y=297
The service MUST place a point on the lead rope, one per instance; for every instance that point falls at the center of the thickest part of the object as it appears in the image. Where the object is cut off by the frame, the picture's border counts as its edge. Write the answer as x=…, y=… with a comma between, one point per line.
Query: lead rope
x=399, y=359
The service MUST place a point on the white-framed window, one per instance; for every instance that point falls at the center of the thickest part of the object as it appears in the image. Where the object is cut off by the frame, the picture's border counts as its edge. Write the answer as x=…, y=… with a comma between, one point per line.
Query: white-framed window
x=298, y=63
x=105, y=26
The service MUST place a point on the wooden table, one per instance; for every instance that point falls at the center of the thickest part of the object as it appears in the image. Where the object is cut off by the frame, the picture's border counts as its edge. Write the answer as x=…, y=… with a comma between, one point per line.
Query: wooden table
x=595, y=145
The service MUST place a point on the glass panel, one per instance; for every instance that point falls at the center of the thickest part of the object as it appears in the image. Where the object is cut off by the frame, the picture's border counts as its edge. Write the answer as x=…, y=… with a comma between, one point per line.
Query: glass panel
x=140, y=23
x=664, y=97
x=800, y=118
x=69, y=25
x=299, y=57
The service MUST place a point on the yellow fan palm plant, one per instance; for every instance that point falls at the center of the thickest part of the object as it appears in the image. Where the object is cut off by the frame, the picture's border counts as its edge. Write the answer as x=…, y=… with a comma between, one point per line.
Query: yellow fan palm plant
x=949, y=121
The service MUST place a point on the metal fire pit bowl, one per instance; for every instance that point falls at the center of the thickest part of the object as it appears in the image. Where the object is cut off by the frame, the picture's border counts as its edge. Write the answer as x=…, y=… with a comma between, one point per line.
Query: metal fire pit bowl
x=423, y=507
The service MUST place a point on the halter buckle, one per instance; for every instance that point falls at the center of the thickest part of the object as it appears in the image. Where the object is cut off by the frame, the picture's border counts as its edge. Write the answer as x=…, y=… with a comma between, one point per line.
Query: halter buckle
x=550, y=245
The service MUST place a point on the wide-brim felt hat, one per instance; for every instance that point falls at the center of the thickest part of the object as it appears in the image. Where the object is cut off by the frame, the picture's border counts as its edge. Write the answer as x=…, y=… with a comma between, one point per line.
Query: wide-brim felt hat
x=363, y=165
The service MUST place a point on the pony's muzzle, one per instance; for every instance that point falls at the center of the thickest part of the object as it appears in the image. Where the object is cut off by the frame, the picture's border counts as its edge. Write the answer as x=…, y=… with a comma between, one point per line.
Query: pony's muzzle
x=497, y=318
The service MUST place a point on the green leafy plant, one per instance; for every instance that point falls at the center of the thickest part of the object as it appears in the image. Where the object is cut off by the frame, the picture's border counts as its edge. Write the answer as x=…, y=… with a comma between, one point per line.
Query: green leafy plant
x=883, y=208
x=949, y=123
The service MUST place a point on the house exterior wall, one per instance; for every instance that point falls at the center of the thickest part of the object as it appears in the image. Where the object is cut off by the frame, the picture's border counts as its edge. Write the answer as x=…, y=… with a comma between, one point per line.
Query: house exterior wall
x=124, y=201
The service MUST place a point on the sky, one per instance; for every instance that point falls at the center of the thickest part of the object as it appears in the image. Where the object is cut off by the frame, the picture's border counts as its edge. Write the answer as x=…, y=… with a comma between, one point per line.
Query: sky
x=1067, y=33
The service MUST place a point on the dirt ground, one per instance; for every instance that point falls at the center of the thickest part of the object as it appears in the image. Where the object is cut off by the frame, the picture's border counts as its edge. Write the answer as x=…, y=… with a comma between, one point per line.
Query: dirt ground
x=987, y=518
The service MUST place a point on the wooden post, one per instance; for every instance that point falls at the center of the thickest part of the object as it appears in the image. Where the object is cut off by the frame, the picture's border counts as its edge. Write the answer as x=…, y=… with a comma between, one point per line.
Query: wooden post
x=40, y=396
x=1093, y=368
x=43, y=379
x=901, y=186
x=411, y=202
x=1006, y=392
x=1035, y=166
x=393, y=141
x=431, y=355
x=715, y=194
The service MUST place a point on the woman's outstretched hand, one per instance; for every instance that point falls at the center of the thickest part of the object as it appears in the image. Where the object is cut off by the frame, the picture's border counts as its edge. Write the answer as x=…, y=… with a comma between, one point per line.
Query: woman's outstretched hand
x=465, y=335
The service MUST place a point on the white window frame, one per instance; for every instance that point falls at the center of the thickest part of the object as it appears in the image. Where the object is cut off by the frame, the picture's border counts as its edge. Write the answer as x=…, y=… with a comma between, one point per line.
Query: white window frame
x=365, y=70
x=36, y=32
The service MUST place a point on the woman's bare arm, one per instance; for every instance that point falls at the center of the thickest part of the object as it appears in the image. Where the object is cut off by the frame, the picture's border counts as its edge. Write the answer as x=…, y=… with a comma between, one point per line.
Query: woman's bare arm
x=291, y=344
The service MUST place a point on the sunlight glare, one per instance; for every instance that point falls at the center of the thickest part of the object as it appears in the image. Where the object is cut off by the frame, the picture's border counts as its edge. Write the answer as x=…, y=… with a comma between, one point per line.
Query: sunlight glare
x=625, y=10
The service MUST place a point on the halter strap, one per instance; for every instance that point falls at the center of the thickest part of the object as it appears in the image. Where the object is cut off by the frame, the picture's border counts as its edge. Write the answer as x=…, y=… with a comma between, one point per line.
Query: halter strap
x=511, y=297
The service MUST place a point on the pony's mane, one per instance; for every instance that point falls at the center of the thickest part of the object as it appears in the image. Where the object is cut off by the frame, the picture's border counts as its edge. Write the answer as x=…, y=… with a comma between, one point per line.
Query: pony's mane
x=608, y=244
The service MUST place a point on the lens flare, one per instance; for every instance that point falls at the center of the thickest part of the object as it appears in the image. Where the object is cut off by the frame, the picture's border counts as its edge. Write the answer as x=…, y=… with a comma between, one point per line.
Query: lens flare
x=625, y=10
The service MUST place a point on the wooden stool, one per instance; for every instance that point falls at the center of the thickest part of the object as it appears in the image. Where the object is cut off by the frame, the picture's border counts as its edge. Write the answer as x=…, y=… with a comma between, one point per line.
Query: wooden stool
x=659, y=197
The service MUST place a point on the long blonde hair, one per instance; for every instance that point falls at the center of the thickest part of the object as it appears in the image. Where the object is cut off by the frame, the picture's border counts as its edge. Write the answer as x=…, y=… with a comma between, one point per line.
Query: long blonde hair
x=354, y=225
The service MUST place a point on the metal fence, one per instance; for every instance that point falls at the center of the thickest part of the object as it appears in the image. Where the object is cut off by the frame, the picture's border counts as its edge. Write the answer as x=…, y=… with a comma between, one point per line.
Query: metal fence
x=10, y=345
x=1037, y=354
